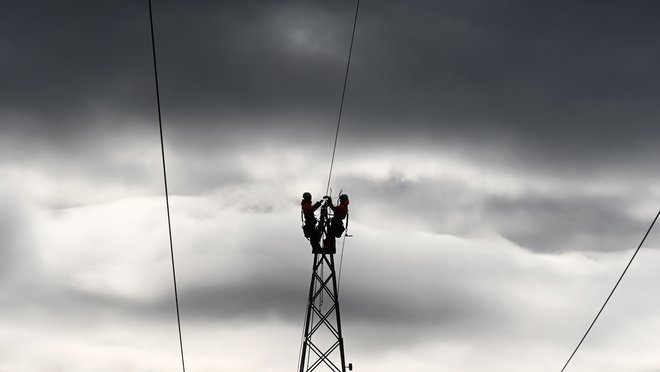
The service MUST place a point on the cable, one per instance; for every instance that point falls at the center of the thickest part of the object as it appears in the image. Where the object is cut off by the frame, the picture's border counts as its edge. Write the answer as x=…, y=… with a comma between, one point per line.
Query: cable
x=341, y=260
x=343, y=93
x=341, y=108
x=613, y=289
x=167, y=198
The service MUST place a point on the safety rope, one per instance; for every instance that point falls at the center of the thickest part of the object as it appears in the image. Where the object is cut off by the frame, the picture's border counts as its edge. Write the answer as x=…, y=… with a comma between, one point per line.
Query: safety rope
x=341, y=259
x=612, y=292
x=167, y=198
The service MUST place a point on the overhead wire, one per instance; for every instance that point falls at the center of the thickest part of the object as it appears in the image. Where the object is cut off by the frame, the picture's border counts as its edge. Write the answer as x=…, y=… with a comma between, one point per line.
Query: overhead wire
x=167, y=198
x=343, y=94
x=341, y=108
x=612, y=292
x=334, y=147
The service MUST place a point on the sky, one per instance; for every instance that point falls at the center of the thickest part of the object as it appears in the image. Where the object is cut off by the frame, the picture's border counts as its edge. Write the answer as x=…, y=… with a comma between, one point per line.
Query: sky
x=500, y=157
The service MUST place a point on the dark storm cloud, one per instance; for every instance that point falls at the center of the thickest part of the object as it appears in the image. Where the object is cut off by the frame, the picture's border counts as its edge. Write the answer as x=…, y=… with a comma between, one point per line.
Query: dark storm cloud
x=67, y=60
x=64, y=58
x=565, y=223
x=570, y=79
x=565, y=66
x=436, y=306
x=556, y=224
x=550, y=221
x=367, y=301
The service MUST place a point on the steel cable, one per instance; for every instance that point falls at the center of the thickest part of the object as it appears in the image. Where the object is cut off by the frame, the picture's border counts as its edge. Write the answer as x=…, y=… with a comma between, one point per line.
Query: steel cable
x=167, y=198
x=611, y=293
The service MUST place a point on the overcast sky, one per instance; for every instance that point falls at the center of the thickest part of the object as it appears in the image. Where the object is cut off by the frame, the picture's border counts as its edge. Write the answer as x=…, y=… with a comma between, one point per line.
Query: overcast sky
x=501, y=158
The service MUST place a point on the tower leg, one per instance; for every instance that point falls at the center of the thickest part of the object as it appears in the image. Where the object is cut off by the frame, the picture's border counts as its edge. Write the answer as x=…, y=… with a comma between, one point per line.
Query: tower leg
x=323, y=334
x=307, y=315
x=339, y=334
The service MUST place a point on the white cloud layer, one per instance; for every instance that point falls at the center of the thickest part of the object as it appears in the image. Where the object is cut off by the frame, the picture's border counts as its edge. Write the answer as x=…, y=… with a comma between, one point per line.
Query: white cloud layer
x=89, y=285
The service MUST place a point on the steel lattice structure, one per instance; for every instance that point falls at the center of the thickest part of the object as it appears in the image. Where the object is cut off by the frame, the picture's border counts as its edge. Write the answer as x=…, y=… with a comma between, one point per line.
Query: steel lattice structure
x=323, y=337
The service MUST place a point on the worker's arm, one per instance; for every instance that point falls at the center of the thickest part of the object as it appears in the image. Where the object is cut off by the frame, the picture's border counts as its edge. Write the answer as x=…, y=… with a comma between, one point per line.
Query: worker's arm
x=328, y=200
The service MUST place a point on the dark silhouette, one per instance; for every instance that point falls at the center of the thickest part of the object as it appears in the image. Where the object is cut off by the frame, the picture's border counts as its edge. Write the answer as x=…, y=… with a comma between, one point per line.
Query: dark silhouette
x=310, y=227
x=336, y=225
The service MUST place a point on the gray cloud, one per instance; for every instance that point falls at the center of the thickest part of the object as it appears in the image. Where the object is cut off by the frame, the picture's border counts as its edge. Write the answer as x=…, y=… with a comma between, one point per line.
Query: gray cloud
x=543, y=221
x=11, y=230
x=558, y=224
x=16, y=232
x=571, y=82
x=65, y=58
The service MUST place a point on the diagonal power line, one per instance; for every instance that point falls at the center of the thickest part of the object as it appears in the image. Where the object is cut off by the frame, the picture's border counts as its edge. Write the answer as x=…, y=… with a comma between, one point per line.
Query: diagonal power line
x=612, y=292
x=167, y=198
x=343, y=94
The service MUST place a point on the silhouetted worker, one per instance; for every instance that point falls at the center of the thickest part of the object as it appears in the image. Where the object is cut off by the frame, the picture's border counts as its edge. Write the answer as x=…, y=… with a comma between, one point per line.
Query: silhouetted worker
x=309, y=226
x=340, y=212
x=336, y=227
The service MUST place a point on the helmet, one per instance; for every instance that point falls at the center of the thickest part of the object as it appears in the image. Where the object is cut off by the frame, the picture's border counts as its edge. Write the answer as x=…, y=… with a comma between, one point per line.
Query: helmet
x=343, y=198
x=307, y=196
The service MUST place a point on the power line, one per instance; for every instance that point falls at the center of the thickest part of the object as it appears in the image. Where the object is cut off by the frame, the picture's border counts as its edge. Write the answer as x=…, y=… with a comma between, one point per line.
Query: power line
x=334, y=147
x=611, y=293
x=341, y=107
x=167, y=198
x=343, y=93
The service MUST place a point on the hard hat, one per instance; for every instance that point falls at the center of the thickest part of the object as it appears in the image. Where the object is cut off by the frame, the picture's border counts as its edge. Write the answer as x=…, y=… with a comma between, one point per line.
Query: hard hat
x=307, y=196
x=343, y=197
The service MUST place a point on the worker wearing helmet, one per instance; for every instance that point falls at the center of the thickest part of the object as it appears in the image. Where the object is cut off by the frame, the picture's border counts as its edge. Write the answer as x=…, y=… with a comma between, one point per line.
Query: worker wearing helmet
x=340, y=213
x=336, y=228
x=309, y=221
